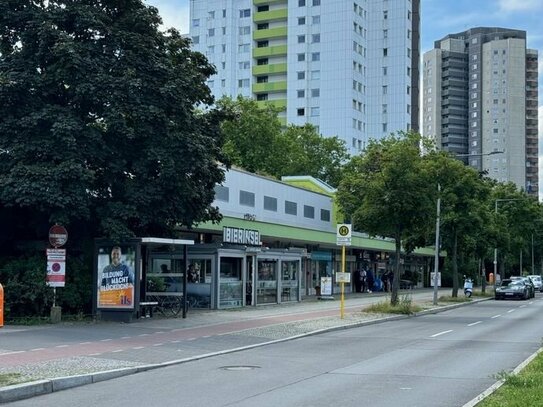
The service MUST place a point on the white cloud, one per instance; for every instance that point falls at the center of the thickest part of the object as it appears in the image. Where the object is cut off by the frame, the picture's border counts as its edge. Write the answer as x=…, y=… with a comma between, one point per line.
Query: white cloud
x=520, y=5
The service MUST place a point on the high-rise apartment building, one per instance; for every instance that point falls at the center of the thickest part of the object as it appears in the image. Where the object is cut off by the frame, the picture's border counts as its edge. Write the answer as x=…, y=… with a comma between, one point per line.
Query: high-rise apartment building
x=480, y=96
x=351, y=68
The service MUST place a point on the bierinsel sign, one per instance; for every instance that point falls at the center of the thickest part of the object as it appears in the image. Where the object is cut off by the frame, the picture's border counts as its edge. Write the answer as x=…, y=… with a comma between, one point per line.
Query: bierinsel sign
x=58, y=235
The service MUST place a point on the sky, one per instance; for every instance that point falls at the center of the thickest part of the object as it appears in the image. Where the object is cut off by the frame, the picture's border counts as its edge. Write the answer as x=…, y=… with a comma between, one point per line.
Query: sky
x=438, y=18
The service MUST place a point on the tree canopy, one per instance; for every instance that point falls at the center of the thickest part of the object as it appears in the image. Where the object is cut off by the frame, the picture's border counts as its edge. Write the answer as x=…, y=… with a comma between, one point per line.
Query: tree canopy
x=98, y=120
x=257, y=142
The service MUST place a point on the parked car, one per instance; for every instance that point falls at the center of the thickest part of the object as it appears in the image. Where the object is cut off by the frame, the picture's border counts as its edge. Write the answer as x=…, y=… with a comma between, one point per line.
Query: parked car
x=528, y=282
x=538, y=282
x=512, y=289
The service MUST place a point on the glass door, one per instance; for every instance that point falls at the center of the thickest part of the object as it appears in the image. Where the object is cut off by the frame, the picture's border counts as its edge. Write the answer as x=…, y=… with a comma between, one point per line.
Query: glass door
x=266, y=292
x=290, y=273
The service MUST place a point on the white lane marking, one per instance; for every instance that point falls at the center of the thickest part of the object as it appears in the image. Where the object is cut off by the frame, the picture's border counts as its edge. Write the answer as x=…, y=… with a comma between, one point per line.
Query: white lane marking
x=158, y=344
x=207, y=336
x=125, y=337
x=531, y=302
x=143, y=335
x=441, y=333
x=94, y=354
x=12, y=353
x=496, y=316
x=160, y=332
x=523, y=306
x=61, y=346
x=84, y=343
x=511, y=310
x=191, y=339
x=105, y=340
x=117, y=351
x=36, y=349
x=175, y=341
x=475, y=323
x=137, y=347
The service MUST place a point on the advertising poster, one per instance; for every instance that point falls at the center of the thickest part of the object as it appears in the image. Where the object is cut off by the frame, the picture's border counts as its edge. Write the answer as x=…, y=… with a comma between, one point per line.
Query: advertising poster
x=116, y=277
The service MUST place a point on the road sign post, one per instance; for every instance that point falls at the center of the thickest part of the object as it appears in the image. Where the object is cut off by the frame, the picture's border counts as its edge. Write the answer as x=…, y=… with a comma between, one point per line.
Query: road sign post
x=343, y=238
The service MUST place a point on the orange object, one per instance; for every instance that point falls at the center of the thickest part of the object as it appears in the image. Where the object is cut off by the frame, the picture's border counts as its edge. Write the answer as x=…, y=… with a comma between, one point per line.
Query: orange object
x=1, y=306
x=491, y=278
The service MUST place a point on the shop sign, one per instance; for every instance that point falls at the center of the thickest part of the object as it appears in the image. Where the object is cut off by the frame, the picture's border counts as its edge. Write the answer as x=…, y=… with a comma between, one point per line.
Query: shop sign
x=241, y=236
x=321, y=256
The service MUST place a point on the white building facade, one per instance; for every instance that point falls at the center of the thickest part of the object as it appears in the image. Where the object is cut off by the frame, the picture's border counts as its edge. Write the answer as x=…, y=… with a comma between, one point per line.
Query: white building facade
x=480, y=96
x=349, y=68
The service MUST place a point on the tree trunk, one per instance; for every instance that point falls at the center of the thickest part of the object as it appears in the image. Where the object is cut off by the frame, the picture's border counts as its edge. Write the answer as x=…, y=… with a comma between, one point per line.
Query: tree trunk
x=455, y=265
x=396, y=280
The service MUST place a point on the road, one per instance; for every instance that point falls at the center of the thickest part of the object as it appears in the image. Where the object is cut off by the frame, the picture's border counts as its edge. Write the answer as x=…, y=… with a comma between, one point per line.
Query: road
x=434, y=360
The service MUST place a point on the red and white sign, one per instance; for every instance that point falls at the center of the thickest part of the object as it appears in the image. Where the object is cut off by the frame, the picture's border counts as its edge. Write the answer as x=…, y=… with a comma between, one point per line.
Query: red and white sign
x=58, y=236
x=56, y=267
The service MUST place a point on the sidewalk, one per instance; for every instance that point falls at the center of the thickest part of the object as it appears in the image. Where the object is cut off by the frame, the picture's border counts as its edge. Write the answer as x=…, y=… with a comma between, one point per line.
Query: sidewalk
x=43, y=359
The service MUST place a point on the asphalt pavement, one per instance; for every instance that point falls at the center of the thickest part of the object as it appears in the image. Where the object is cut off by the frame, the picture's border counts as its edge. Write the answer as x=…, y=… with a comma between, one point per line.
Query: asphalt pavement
x=48, y=358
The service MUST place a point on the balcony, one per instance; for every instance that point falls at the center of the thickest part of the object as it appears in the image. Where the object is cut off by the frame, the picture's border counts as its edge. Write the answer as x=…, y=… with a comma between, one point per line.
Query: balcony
x=265, y=2
x=270, y=87
x=277, y=50
x=270, y=33
x=272, y=15
x=278, y=103
x=269, y=69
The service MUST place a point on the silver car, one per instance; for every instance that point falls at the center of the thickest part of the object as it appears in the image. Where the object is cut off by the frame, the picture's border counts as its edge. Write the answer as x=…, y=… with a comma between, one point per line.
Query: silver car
x=538, y=283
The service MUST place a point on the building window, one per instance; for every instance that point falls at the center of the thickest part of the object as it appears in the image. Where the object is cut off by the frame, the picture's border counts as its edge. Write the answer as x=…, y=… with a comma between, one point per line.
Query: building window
x=245, y=13
x=315, y=111
x=243, y=83
x=316, y=20
x=211, y=32
x=384, y=127
x=270, y=203
x=315, y=74
x=385, y=14
x=316, y=2
x=244, y=30
x=384, y=108
x=301, y=57
x=385, y=70
x=246, y=198
x=291, y=208
x=385, y=89
x=325, y=215
x=196, y=22
x=300, y=93
x=300, y=112
x=316, y=38
x=301, y=39
x=385, y=33
x=301, y=3
x=309, y=212
x=196, y=39
x=301, y=20
x=300, y=75
x=262, y=96
x=385, y=52
x=222, y=193
x=315, y=56
x=315, y=93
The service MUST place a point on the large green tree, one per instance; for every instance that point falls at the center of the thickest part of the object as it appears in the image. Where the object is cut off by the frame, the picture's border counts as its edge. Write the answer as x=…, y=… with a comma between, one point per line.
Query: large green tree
x=386, y=192
x=98, y=120
x=256, y=142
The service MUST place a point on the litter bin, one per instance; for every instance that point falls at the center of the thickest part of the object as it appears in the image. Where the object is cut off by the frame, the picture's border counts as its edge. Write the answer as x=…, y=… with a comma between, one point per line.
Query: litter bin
x=318, y=290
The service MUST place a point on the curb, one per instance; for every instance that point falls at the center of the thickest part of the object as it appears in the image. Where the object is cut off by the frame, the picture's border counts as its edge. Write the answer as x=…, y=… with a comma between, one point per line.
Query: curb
x=45, y=386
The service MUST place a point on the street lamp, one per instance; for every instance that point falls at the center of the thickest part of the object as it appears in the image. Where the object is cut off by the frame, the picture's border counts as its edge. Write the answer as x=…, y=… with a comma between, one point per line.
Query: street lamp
x=438, y=212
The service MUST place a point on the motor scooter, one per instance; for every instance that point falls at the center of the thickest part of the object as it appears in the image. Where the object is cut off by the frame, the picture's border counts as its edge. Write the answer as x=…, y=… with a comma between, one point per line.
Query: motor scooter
x=468, y=287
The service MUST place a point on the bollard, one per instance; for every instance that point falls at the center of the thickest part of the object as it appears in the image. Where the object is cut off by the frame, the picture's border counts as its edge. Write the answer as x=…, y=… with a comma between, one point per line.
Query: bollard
x=1, y=306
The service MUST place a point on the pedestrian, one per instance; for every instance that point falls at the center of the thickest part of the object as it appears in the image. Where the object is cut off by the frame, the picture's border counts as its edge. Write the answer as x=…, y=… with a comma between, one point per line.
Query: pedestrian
x=357, y=282
x=369, y=280
x=363, y=280
x=384, y=279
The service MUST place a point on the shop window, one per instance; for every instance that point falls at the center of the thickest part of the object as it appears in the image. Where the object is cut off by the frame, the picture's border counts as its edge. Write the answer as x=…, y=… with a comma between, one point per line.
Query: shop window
x=270, y=203
x=291, y=208
x=221, y=193
x=246, y=198
x=325, y=215
x=309, y=212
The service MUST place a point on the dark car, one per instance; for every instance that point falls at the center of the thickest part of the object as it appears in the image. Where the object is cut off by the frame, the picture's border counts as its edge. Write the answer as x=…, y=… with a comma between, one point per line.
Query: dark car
x=512, y=289
x=529, y=283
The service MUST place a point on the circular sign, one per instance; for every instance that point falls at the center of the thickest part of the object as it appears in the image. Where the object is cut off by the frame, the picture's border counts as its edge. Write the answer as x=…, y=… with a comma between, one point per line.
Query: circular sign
x=344, y=230
x=58, y=236
x=56, y=267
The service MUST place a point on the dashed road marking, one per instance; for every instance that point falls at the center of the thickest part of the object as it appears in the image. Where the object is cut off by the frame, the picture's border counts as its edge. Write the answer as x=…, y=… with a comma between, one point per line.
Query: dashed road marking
x=511, y=310
x=105, y=340
x=36, y=349
x=61, y=346
x=441, y=333
x=496, y=316
x=475, y=323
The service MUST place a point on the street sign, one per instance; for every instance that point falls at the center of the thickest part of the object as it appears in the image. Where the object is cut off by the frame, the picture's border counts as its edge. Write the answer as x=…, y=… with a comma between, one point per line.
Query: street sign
x=58, y=236
x=56, y=267
x=343, y=277
x=343, y=235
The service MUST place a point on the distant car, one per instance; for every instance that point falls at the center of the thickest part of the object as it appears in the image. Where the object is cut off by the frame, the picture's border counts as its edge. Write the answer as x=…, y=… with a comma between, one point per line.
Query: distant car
x=512, y=289
x=528, y=282
x=538, y=282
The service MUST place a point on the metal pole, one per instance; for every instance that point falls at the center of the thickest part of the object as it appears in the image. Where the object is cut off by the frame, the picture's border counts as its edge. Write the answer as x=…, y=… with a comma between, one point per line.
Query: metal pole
x=533, y=265
x=436, y=256
x=495, y=249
